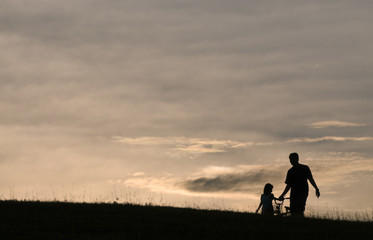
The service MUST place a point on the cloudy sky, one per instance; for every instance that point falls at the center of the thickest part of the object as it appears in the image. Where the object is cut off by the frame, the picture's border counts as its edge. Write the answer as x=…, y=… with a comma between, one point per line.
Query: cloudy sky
x=184, y=99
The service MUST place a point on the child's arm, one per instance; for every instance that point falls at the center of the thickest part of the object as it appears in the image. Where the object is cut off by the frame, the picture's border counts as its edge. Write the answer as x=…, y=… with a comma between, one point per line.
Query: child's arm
x=260, y=205
x=273, y=197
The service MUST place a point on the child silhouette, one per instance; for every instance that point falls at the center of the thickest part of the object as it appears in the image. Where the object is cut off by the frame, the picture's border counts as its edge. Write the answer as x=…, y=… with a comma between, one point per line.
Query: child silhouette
x=266, y=200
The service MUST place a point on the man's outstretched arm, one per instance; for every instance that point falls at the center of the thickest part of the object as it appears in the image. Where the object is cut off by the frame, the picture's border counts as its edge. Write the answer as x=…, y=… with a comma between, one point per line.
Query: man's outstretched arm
x=312, y=181
x=286, y=190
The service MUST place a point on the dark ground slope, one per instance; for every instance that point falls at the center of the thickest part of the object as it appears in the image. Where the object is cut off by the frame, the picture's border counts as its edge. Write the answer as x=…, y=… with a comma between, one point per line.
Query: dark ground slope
x=54, y=220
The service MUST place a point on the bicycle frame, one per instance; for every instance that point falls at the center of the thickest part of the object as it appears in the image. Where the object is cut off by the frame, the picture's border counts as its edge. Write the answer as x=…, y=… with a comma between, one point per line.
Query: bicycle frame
x=278, y=209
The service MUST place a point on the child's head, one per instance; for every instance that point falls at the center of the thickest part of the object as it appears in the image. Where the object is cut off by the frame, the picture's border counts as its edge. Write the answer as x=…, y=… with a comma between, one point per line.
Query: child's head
x=268, y=188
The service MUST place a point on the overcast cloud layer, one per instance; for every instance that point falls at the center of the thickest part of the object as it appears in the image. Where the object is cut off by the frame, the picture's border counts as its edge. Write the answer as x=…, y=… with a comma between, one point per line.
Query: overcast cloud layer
x=96, y=92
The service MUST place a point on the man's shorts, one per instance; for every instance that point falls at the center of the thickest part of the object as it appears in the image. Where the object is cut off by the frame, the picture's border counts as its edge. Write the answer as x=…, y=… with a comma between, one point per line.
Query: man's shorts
x=298, y=203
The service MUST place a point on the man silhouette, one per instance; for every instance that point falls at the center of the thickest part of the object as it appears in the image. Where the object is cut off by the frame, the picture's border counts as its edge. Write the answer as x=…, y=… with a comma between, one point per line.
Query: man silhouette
x=296, y=180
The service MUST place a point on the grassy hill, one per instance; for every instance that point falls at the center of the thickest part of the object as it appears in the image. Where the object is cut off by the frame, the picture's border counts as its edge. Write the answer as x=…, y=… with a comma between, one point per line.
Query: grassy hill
x=58, y=220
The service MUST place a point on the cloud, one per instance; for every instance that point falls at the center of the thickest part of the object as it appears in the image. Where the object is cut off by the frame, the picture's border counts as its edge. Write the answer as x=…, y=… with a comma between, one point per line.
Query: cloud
x=330, y=138
x=215, y=170
x=242, y=179
x=339, y=124
x=238, y=180
x=176, y=75
x=138, y=174
x=169, y=185
x=190, y=145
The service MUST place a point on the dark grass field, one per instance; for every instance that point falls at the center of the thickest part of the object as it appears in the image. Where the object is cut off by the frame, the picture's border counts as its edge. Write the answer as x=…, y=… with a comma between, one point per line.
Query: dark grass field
x=59, y=220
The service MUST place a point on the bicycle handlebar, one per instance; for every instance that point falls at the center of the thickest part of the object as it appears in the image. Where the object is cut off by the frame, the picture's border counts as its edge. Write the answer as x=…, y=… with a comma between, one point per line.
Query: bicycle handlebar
x=278, y=201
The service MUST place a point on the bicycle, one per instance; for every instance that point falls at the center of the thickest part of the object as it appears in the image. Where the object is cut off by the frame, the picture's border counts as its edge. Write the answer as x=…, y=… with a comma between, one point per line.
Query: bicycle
x=279, y=208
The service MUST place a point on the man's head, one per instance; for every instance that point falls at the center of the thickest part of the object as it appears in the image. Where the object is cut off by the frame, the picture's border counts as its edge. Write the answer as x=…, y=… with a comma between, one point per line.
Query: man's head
x=294, y=158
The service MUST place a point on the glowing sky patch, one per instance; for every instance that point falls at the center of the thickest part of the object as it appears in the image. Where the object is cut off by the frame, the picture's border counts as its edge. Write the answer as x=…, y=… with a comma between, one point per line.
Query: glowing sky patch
x=191, y=145
x=341, y=124
x=330, y=138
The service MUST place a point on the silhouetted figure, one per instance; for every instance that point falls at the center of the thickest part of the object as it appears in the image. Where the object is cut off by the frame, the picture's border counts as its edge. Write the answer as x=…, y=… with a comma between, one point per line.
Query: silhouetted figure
x=296, y=180
x=266, y=200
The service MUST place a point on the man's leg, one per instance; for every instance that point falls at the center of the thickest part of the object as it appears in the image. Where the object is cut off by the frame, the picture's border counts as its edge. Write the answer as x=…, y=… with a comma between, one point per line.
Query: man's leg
x=298, y=204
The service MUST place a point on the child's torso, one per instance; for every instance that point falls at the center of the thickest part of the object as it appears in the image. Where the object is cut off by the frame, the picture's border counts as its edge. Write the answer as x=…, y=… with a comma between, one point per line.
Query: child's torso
x=267, y=201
